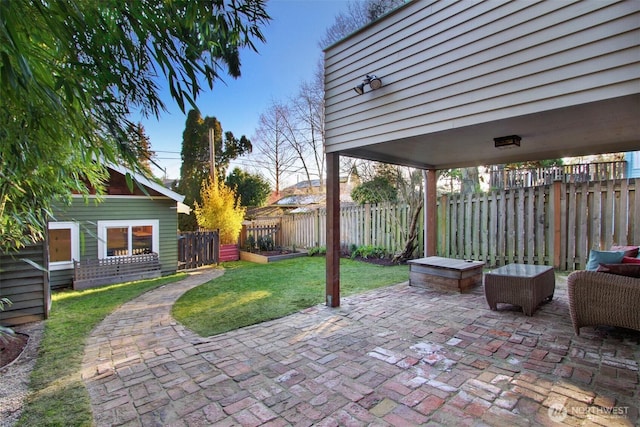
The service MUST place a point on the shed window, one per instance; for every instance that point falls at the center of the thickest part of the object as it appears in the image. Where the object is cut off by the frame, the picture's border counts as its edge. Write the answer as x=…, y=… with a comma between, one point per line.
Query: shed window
x=63, y=244
x=117, y=241
x=126, y=238
x=60, y=245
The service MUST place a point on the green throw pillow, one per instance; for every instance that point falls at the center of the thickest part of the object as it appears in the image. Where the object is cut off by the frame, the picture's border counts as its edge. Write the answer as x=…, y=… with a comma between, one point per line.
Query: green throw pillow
x=603, y=257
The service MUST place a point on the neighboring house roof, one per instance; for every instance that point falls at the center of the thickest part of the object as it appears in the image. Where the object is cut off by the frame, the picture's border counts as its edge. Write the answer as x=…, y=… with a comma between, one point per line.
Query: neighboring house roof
x=301, y=199
x=263, y=212
x=307, y=202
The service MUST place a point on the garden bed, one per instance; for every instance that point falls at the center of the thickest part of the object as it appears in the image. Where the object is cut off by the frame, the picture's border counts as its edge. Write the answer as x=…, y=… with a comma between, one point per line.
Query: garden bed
x=266, y=257
x=12, y=348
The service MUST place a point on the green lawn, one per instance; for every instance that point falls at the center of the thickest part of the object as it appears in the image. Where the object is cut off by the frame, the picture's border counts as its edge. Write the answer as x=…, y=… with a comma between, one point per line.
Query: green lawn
x=58, y=395
x=252, y=293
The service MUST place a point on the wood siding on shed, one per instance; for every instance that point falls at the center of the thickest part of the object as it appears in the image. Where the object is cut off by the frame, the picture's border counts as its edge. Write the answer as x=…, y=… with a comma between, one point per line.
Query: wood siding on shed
x=25, y=285
x=448, y=64
x=116, y=208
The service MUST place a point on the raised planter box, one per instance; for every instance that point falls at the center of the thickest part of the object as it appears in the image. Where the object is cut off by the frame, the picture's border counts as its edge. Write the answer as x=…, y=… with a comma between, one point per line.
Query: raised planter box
x=265, y=259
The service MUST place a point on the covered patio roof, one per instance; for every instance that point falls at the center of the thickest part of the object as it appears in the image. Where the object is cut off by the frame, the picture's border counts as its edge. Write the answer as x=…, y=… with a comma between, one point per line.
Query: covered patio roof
x=565, y=77
x=607, y=126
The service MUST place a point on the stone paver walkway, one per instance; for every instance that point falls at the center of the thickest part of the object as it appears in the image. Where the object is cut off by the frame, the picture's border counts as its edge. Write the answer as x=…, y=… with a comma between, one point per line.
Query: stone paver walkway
x=397, y=356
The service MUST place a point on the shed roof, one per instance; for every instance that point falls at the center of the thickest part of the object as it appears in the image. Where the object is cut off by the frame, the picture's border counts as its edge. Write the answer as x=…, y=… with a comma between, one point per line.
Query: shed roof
x=141, y=179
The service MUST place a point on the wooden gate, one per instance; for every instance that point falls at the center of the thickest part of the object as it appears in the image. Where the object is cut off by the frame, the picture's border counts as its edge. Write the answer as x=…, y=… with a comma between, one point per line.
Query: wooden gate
x=198, y=248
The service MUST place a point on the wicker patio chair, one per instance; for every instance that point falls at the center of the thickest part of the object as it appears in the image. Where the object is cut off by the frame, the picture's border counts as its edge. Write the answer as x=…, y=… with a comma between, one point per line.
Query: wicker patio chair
x=597, y=298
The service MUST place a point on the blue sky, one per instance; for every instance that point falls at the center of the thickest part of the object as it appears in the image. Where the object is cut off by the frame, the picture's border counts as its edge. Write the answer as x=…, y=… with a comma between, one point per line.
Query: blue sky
x=288, y=58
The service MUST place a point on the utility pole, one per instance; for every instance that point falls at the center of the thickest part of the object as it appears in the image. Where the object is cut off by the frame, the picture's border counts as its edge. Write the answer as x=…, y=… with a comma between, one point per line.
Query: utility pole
x=212, y=153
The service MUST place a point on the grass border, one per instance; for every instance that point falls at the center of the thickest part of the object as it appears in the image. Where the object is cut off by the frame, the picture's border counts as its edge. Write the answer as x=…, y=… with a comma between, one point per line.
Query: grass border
x=57, y=394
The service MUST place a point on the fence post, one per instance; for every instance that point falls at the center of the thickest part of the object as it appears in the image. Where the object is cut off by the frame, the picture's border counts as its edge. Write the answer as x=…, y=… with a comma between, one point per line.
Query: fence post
x=430, y=212
x=242, y=239
x=367, y=224
x=556, y=218
x=443, y=221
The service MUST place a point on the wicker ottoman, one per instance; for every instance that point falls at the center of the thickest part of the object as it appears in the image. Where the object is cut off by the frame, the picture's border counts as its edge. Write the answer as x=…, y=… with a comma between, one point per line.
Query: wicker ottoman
x=525, y=285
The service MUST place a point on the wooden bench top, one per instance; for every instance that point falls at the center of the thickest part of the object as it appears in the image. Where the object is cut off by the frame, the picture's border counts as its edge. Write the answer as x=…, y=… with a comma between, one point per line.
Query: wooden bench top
x=447, y=263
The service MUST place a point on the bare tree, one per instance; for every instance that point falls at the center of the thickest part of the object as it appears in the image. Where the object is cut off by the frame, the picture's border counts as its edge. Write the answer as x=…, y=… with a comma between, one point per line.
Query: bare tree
x=308, y=108
x=410, y=187
x=294, y=135
x=272, y=143
x=470, y=180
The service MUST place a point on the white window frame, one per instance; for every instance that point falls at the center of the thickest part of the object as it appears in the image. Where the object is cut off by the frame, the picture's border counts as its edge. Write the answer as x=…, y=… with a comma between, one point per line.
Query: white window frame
x=75, y=244
x=102, y=234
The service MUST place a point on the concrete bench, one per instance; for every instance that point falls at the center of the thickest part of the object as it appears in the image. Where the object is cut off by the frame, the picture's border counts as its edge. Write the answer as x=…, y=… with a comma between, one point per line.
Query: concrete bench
x=446, y=274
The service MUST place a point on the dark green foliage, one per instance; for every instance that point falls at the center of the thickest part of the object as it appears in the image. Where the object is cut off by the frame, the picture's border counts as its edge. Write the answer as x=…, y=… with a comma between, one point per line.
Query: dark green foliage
x=535, y=164
x=380, y=189
x=5, y=332
x=251, y=189
x=71, y=71
x=317, y=250
x=250, y=243
x=369, y=251
x=196, y=160
x=265, y=243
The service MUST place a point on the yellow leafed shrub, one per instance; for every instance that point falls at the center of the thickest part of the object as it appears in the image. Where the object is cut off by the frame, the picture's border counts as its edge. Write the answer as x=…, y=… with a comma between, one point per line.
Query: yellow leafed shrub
x=219, y=210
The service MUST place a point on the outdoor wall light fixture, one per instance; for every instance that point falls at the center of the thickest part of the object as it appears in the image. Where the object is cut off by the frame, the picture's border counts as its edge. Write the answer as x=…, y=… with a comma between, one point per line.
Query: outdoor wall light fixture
x=371, y=80
x=507, y=141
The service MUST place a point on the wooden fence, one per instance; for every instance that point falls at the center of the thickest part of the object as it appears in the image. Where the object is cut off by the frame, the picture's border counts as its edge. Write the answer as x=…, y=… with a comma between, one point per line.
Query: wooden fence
x=253, y=232
x=554, y=224
x=26, y=284
x=90, y=273
x=198, y=248
x=377, y=225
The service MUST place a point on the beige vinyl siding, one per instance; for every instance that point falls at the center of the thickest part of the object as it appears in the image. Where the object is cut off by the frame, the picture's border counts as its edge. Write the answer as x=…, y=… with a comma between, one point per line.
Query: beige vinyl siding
x=121, y=208
x=448, y=65
x=25, y=285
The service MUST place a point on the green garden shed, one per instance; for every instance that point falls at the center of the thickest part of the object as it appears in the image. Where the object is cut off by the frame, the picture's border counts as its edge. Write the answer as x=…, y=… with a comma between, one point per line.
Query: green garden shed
x=115, y=228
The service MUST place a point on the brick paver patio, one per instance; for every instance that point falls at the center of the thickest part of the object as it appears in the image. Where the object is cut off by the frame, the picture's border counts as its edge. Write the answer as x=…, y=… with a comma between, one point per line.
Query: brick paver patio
x=397, y=356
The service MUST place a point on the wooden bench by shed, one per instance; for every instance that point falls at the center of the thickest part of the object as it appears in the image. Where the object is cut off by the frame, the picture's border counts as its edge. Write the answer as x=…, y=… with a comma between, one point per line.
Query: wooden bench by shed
x=98, y=272
x=445, y=273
